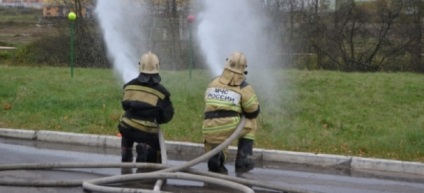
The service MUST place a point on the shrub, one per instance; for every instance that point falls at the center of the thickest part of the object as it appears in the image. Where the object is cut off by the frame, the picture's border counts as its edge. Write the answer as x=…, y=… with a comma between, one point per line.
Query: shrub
x=51, y=50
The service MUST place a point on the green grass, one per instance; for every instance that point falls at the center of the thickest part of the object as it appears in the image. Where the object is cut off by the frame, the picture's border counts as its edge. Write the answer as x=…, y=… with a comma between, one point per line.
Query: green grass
x=377, y=115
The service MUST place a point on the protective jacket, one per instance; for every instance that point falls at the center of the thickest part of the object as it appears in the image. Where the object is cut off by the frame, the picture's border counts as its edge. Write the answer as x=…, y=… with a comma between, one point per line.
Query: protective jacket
x=224, y=104
x=146, y=103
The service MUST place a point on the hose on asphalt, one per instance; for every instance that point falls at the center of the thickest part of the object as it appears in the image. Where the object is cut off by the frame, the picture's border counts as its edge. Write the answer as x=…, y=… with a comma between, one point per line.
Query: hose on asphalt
x=163, y=171
x=95, y=184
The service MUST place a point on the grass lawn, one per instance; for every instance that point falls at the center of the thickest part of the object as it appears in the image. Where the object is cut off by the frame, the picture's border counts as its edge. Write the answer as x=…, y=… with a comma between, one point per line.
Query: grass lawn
x=377, y=115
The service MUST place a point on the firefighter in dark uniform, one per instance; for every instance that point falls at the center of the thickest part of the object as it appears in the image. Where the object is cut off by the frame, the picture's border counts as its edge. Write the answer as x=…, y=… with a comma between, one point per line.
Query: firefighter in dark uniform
x=146, y=104
x=228, y=97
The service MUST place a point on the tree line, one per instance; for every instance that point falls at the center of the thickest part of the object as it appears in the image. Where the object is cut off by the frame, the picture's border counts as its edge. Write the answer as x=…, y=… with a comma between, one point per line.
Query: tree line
x=343, y=35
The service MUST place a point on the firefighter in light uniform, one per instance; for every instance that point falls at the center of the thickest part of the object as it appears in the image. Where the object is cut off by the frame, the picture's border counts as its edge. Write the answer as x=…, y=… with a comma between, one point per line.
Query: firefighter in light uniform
x=146, y=104
x=228, y=97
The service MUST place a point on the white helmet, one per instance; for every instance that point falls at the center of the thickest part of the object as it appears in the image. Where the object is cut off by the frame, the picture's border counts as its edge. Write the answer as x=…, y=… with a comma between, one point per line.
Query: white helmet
x=149, y=63
x=236, y=63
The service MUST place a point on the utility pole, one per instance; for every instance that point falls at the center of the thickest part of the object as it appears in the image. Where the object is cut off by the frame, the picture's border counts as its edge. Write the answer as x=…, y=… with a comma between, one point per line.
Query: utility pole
x=71, y=17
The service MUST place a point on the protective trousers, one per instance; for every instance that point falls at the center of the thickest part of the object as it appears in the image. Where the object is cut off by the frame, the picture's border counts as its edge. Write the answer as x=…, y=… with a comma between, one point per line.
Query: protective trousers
x=126, y=154
x=126, y=149
x=146, y=154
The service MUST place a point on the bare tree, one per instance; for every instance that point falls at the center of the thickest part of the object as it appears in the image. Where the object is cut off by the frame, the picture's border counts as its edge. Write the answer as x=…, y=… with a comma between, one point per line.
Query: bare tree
x=416, y=7
x=359, y=36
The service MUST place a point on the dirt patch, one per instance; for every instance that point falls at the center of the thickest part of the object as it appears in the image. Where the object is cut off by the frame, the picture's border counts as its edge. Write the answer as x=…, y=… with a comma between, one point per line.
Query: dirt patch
x=17, y=35
x=20, y=26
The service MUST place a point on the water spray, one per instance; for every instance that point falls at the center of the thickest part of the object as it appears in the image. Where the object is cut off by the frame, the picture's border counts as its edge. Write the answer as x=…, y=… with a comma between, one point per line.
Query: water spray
x=236, y=25
x=123, y=35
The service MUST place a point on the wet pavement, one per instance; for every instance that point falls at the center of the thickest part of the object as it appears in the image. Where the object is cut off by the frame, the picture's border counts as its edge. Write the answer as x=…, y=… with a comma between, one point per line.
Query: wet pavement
x=312, y=178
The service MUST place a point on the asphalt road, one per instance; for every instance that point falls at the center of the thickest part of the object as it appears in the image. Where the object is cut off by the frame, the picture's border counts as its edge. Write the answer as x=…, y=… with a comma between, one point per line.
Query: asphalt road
x=315, y=179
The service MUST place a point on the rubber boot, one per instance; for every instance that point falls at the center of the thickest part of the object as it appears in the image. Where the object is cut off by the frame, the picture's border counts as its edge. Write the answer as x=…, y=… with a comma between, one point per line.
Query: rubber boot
x=216, y=163
x=244, y=162
x=146, y=154
x=126, y=156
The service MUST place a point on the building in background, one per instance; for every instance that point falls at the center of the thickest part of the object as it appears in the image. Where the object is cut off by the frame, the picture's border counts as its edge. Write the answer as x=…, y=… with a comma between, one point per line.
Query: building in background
x=38, y=4
x=61, y=8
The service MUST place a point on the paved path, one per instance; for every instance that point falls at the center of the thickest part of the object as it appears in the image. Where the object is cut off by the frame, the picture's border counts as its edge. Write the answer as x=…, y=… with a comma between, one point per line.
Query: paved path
x=322, y=160
x=313, y=178
x=7, y=48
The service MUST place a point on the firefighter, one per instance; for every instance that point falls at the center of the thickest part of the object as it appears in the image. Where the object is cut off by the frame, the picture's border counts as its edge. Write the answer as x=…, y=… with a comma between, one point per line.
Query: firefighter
x=227, y=97
x=146, y=104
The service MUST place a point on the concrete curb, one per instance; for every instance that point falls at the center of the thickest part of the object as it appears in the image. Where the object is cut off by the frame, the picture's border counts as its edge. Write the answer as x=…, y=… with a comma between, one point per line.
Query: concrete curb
x=387, y=165
x=326, y=160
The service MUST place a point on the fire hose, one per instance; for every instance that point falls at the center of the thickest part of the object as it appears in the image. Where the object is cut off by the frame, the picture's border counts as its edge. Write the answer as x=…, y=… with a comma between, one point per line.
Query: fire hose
x=163, y=171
